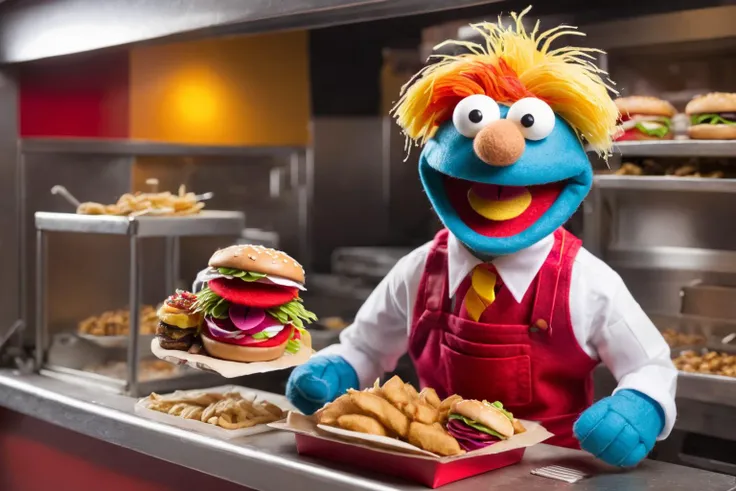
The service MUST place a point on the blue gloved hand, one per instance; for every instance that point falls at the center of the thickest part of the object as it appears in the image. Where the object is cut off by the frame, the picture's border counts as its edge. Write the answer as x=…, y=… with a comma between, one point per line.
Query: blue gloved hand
x=621, y=429
x=320, y=381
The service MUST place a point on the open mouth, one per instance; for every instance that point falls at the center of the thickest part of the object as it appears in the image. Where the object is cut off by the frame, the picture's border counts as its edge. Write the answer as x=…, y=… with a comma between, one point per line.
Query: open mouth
x=500, y=211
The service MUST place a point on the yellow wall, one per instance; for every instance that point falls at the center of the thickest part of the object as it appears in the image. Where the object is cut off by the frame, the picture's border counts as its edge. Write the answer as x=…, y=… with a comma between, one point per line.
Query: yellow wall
x=250, y=90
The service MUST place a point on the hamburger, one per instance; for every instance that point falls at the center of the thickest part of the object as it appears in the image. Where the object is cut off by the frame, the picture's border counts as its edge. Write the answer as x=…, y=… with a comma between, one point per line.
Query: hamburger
x=251, y=305
x=712, y=116
x=475, y=424
x=644, y=118
x=178, y=322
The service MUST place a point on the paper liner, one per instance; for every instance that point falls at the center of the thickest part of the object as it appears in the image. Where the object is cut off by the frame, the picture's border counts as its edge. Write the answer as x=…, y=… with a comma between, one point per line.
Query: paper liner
x=307, y=425
x=142, y=409
x=231, y=369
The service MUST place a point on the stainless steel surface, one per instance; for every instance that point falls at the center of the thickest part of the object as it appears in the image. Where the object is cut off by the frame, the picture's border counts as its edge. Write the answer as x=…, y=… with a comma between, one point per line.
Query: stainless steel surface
x=678, y=258
x=172, y=262
x=34, y=29
x=709, y=301
x=207, y=223
x=348, y=186
x=686, y=26
x=101, y=146
x=662, y=234
x=560, y=473
x=666, y=183
x=41, y=306
x=11, y=304
x=270, y=462
x=371, y=263
x=134, y=301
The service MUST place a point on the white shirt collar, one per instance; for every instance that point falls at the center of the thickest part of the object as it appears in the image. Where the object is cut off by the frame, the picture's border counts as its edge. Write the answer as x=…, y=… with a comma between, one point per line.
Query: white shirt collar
x=517, y=270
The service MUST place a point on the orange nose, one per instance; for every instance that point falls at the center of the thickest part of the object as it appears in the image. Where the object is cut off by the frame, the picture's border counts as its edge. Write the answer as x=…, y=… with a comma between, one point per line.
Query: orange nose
x=500, y=143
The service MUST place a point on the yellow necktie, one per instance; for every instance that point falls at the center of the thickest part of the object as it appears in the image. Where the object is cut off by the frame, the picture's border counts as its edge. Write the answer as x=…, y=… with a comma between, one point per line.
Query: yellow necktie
x=481, y=293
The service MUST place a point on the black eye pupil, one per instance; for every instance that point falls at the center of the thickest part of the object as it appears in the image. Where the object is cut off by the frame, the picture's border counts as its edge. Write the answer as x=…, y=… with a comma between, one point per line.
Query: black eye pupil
x=527, y=120
x=475, y=116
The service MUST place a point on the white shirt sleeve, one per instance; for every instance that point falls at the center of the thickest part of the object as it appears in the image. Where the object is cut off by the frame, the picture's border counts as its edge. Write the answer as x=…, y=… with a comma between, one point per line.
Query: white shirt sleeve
x=611, y=326
x=378, y=336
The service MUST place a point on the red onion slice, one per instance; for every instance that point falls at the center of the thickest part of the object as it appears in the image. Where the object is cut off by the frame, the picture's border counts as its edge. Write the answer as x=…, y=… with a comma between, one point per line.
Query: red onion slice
x=246, y=319
x=219, y=331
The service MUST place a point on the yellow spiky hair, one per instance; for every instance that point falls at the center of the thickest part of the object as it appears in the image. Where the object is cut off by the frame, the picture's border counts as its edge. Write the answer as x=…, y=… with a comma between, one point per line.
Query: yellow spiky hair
x=510, y=65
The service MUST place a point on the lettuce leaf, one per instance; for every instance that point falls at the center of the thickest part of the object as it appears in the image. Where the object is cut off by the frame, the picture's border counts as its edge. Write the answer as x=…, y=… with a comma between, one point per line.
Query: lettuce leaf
x=659, y=131
x=211, y=304
x=477, y=426
x=243, y=275
x=294, y=313
x=710, y=118
x=499, y=406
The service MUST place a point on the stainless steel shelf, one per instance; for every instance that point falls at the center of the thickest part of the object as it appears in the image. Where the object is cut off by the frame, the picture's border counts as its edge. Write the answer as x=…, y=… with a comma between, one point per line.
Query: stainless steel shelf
x=208, y=223
x=148, y=148
x=665, y=183
x=676, y=148
x=672, y=258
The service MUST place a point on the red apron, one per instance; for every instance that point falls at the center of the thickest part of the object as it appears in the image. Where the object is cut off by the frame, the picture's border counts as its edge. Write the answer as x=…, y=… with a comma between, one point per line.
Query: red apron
x=539, y=374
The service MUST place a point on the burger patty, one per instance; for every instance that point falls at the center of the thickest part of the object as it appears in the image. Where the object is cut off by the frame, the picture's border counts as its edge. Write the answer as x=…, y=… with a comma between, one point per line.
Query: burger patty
x=172, y=337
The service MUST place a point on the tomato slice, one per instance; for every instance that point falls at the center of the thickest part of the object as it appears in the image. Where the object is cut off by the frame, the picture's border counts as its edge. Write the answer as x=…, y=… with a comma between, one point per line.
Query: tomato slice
x=252, y=294
x=283, y=336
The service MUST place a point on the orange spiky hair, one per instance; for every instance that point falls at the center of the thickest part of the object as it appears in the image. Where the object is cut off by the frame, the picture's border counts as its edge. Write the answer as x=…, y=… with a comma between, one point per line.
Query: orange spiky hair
x=512, y=64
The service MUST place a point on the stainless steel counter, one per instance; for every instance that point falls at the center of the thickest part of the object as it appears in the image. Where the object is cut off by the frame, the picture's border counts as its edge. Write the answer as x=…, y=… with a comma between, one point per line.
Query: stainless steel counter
x=270, y=462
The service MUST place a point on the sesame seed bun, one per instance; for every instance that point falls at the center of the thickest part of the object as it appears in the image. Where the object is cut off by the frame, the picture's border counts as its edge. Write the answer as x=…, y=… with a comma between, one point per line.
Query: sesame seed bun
x=712, y=132
x=715, y=102
x=485, y=414
x=258, y=259
x=650, y=106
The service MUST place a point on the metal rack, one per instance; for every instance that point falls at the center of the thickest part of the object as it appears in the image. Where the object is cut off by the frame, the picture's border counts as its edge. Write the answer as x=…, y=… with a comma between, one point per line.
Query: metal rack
x=208, y=223
x=676, y=148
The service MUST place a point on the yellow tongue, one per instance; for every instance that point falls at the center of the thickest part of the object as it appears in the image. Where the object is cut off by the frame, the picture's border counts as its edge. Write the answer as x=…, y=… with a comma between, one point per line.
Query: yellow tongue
x=499, y=210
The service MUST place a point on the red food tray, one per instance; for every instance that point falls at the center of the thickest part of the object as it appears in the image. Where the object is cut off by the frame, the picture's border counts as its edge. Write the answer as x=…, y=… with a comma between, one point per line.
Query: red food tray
x=432, y=473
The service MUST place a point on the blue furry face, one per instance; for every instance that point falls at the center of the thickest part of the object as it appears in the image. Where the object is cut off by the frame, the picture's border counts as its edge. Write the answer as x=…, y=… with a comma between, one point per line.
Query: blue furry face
x=504, y=184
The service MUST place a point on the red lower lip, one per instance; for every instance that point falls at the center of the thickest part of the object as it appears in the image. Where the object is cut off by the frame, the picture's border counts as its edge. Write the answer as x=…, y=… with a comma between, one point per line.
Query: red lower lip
x=543, y=197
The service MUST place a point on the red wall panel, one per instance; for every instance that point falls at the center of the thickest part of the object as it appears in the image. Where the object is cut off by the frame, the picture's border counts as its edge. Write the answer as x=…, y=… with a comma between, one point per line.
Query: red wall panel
x=76, y=96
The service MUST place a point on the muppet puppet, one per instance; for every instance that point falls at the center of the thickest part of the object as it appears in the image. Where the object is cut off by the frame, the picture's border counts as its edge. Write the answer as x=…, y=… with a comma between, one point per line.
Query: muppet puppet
x=504, y=304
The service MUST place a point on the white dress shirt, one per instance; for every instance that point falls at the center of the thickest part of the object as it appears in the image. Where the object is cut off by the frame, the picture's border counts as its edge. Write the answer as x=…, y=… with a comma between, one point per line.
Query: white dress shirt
x=607, y=322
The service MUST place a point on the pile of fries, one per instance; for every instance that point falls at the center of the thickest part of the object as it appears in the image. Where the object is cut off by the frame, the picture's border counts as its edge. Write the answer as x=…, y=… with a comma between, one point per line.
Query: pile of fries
x=712, y=363
x=153, y=204
x=117, y=323
x=395, y=410
x=230, y=410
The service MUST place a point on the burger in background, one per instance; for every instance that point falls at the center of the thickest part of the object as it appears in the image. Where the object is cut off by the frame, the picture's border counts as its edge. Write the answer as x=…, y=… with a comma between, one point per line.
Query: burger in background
x=712, y=116
x=644, y=118
x=179, y=324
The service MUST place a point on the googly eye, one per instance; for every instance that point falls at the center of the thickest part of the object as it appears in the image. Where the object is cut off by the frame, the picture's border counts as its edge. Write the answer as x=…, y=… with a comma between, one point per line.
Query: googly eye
x=535, y=118
x=473, y=113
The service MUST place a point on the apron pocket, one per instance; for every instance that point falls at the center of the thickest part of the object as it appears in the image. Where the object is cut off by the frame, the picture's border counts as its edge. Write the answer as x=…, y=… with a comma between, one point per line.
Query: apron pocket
x=485, y=350
x=503, y=377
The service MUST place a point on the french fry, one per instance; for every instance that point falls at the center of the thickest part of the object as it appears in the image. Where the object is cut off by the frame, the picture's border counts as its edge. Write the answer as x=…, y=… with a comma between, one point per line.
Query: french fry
x=342, y=405
x=361, y=423
x=429, y=395
x=394, y=391
x=382, y=410
x=433, y=439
